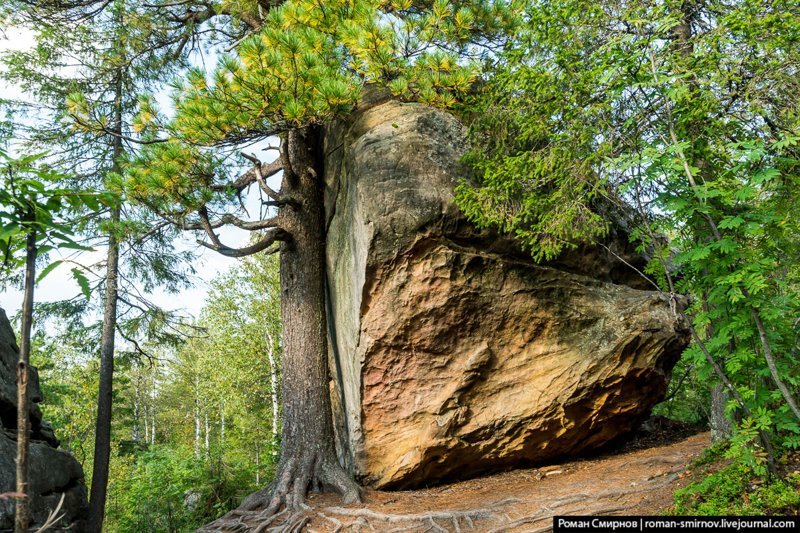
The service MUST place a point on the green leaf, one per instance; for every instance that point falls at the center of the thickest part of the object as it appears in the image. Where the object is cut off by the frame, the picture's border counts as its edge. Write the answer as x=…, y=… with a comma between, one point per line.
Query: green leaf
x=726, y=246
x=49, y=268
x=766, y=175
x=731, y=222
x=83, y=281
x=9, y=230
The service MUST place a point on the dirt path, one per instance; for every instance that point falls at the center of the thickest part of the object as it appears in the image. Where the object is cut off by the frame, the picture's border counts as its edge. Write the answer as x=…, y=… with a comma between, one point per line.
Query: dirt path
x=634, y=482
x=638, y=480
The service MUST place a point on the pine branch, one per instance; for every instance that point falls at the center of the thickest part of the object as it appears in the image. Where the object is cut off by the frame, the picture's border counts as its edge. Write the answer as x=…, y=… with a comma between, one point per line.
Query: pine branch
x=279, y=199
x=230, y=220
x=269, y=244
x=272, y=236
x=267, y=170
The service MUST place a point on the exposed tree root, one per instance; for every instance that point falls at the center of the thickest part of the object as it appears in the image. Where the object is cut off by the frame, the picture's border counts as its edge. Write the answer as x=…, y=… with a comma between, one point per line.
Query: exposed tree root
x=464, y=520
x=281, y=507
x=431, y=519
x=547, y=513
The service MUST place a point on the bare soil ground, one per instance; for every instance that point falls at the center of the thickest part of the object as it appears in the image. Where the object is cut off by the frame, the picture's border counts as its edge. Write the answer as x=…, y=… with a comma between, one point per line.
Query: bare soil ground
x=637, y=477
x=633, y=480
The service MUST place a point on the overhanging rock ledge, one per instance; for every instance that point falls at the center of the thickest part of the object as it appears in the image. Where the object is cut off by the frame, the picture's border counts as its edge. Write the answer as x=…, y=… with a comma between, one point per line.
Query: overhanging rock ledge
x=453, y=353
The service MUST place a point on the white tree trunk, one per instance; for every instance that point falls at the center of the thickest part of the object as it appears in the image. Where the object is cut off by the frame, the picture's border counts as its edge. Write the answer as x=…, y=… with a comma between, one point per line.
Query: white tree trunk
x=273, y=378
x=153, y=394
x=146, y=425
x=136, y=409
x=196, y=421
x=222, y=425
x=208, y=440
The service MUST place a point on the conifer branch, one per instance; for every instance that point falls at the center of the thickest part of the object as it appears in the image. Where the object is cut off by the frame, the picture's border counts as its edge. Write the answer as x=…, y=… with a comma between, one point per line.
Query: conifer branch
x=266, y=243
x=136, y=346
x=113, y=133
x=279, y=199
x=230, y=220
x=267, y=170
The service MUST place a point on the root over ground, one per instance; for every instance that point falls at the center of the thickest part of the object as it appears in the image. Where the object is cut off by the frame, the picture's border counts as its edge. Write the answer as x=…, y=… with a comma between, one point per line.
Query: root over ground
x=640, y=481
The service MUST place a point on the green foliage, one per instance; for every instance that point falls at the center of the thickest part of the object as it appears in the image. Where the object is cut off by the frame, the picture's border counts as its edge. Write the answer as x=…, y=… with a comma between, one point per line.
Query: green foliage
x=68, y=380
x=688, y=395
x=170, y=489
x=85, y=71
x=194, y=430
x=33, y=201
x=736, y=490
x=305, y=65
x=602, y=108
x=712, y=454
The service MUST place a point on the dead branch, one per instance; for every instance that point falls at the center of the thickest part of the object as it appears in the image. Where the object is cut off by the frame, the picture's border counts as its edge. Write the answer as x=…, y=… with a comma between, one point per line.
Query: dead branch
x=250, y=177
x=53, y=517
x=205, y=223
x=232, y=220
x=260, y=177
x=279, y=199
x=265, y=244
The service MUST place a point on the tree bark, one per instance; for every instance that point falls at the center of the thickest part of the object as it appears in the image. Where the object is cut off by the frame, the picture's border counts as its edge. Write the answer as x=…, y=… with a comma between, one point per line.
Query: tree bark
x=22, y=517
x=721, y=427
x=308, y=459
x=102, y=439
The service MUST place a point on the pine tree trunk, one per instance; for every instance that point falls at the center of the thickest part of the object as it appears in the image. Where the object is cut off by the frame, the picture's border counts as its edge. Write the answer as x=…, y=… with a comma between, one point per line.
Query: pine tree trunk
x=308, y=459
x=102, y=439
x=22, y=517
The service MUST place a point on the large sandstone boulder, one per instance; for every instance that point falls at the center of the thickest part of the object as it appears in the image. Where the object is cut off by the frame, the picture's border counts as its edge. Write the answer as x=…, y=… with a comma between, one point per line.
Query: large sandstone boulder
x=52, y=472
x=452, y=352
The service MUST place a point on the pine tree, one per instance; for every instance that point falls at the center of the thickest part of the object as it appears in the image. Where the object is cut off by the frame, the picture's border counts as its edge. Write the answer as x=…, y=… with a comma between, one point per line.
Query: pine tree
x=301, y=65
x=88, y=93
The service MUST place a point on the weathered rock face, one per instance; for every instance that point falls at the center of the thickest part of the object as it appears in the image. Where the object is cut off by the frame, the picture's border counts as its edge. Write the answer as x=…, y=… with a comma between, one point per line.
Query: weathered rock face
x=453, y=353
x=52, y=472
